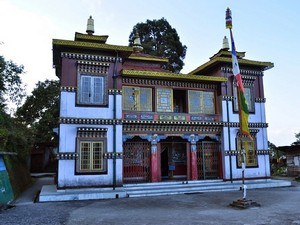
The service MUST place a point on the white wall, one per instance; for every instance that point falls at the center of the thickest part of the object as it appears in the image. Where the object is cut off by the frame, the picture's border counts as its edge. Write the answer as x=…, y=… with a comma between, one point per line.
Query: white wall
x=258, y=117
x=67, y=143
x=263, y=169
x=69, y=109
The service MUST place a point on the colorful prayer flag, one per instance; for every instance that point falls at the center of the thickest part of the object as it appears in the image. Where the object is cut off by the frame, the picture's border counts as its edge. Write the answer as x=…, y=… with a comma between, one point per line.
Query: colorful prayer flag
x=228, y=19
x=243, y=107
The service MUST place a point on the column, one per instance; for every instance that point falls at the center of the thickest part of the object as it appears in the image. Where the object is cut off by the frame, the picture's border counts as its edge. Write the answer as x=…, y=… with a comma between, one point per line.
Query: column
x=154, y=158
x=193, y=163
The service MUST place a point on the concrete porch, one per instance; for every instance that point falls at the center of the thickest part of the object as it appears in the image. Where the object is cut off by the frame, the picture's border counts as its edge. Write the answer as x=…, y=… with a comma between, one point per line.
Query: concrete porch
x=50, y=193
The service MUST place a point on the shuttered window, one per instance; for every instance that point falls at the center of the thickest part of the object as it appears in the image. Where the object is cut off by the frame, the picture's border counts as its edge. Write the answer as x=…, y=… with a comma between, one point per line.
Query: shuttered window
x=250, y=151
x=91, y=147
x=92, y=90
x=91, y=156
x=202, y=102
x=137, y=99
x=164, y=100
x=248, y=92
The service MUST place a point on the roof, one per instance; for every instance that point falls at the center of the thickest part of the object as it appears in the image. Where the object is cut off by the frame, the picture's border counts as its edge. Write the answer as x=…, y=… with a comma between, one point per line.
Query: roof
x=169, y=75
x=224, y=56
x=91, y=38
x=83, y=43
x=290, y=149
x=226, y=53
x=146, y=57
x=90, y=45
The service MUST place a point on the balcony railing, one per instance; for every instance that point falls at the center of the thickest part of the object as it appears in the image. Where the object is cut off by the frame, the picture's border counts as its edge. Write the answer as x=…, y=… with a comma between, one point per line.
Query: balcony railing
x=158, y=116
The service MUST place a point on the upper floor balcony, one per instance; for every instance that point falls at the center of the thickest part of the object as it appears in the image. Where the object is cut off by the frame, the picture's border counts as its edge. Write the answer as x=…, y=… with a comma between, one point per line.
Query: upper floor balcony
x=169, y=117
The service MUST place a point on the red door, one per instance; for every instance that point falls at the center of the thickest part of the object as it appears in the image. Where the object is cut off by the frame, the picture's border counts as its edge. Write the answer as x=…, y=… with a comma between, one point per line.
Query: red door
x=136, y=161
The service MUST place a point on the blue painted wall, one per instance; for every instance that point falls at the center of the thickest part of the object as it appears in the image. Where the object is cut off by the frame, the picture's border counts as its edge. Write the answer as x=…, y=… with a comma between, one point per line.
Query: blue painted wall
x=6, y=193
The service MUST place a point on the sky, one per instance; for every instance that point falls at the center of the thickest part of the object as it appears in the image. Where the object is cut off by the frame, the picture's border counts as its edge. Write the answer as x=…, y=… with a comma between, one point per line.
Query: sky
x=267, y=30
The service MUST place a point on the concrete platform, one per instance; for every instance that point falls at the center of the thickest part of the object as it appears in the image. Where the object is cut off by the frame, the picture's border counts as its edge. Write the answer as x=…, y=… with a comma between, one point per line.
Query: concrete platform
x=49, y=193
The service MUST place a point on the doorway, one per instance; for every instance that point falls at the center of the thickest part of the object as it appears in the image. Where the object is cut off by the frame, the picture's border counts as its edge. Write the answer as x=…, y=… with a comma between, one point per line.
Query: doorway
x=136, y=161
x=165, y=162
x=208, y=160
x=173, y=161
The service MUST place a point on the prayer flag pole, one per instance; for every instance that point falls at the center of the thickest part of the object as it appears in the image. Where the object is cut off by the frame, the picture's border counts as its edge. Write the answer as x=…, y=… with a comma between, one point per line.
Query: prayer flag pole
x=243, y=114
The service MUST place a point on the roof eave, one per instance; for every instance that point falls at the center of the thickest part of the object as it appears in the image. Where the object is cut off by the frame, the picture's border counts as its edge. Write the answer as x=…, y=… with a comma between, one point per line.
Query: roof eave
x=150, y=59
x=172, y=76
x=263, y=65
x=91, y=45
x=59, y=45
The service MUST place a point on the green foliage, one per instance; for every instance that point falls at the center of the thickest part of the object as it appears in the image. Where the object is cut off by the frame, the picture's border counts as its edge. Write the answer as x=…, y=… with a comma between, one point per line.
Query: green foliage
x=278, y=165
x=14, y=137
x=276, y=154
x=271, y=146
x=19, y=175
x=11, y=87
x=40, y=112
x=158, y=38
x=279, y=170
x=297, y=142
x=297, y=136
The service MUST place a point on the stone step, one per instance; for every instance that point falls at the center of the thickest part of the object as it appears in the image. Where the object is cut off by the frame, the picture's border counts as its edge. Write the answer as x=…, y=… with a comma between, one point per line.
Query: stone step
x=50, y=192
x=171, y=188
x=190, y=187
x=177, y=191
x=171, y=184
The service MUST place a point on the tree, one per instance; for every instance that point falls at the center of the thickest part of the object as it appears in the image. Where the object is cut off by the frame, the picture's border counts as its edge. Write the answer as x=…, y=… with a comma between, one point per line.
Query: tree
x=297, y=142
x=40, y=112
x=297, y=136
x=276, y=154
x=11, y=86
x=158, y=38
x=14, y=137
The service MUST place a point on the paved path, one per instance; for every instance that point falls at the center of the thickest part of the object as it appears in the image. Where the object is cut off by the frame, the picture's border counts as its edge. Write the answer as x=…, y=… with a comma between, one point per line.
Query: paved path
x=279, y=206
x=29, y=196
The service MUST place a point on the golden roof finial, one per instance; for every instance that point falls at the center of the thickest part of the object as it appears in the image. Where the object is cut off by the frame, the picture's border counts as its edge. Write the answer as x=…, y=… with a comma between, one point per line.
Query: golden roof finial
x=225, y=43
x=90, y=26
x=137, y=46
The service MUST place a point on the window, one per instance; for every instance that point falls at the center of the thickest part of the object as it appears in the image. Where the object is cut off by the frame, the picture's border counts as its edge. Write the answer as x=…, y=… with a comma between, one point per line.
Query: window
x=164, y=100
x=179, y=101
x=92, y=90
x=91, y=146
x=91, y=153
x=137, y=99
x=248, y=91
x=249, y=146
x=201, y=102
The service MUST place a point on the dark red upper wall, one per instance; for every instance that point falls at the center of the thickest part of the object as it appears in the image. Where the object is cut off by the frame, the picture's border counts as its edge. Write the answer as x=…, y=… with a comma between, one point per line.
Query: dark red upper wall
x=69, y=73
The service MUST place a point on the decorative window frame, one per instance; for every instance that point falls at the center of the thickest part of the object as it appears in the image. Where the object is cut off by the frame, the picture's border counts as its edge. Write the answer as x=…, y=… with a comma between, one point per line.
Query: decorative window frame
x=249, y=96
x=250, y=147
x=202, y=102
x=137, y=103
x=93, y=70
x=91, y=135
x=164, y=100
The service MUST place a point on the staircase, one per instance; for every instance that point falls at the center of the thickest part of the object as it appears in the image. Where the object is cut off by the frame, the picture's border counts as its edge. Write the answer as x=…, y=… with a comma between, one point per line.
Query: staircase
x=50, y=193
x=194, y=187
x=177, y=187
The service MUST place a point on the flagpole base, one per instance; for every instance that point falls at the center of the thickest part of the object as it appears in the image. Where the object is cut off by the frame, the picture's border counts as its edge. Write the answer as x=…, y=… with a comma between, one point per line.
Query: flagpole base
x=244, y=203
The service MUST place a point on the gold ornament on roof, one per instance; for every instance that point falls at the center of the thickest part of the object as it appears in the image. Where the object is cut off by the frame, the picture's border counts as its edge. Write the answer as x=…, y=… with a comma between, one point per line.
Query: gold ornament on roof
x=137, y=46
x=90, y=26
